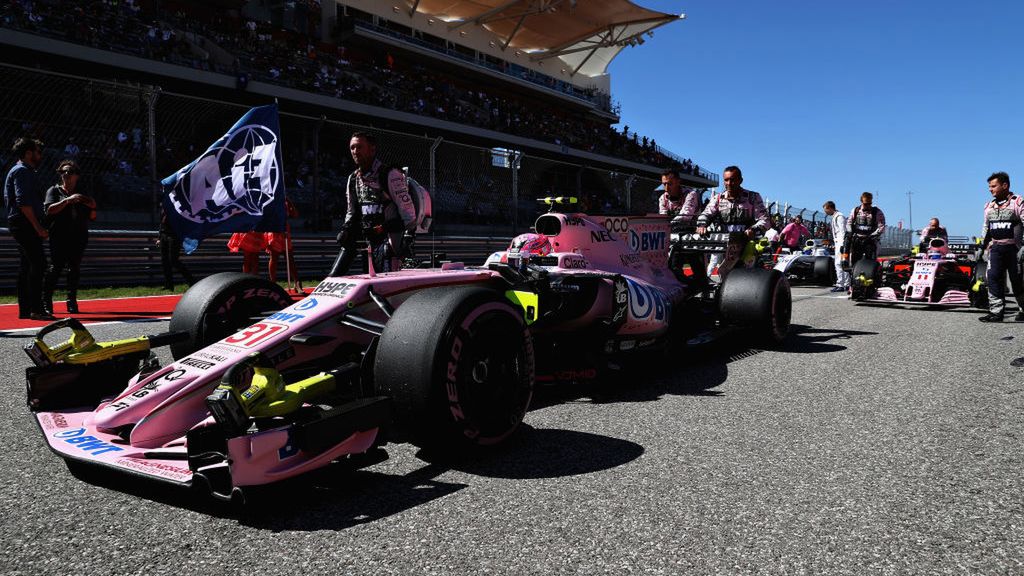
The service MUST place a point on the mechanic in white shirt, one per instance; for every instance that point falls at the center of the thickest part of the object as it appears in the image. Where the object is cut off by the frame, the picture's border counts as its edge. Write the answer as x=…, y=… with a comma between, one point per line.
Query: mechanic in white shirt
x=838, y=225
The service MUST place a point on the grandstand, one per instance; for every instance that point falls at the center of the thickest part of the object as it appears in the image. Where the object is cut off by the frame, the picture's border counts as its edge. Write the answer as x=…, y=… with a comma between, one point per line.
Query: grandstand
x=490, y=103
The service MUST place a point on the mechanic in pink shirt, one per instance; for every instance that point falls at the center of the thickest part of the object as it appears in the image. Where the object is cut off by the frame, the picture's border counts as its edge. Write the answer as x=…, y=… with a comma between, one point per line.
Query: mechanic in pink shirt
x=1004, y=225
x=679, y=203
x=793, y=232
x=738, y=211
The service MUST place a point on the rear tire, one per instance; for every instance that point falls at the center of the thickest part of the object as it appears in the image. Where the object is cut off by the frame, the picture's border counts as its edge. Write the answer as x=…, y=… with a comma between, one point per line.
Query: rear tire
x=871, y=270
x=760, y=299
x=220, y=305
x=458, y=364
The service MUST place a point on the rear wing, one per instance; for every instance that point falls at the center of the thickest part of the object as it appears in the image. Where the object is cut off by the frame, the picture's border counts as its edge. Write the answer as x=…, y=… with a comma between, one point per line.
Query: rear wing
x=693, y=242
x=963, y=249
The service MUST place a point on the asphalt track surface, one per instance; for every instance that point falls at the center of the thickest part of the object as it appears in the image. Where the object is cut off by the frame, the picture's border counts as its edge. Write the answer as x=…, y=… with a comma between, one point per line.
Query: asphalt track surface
x=879, y=440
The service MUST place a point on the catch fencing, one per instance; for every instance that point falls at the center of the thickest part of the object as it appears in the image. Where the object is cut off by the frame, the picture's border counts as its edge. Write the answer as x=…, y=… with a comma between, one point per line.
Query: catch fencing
x=127, y=137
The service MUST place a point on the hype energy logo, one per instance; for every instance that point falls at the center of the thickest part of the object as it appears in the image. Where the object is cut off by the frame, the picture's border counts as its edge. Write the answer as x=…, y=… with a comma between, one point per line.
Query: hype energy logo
x=86, y=443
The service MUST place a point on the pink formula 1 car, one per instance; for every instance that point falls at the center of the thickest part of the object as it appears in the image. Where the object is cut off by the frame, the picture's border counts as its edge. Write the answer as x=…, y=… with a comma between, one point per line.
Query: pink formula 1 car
x=937, y=275
x=262, y=389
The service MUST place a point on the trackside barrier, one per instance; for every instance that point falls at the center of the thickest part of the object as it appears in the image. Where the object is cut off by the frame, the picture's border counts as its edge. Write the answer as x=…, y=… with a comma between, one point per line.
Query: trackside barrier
x=132, y=258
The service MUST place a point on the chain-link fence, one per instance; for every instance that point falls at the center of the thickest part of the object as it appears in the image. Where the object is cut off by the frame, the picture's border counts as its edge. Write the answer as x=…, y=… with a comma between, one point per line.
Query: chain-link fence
x=817, y=222
x=127, y=137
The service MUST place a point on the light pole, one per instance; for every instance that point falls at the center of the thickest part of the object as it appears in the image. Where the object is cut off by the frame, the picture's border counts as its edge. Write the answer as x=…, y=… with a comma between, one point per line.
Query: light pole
x=910, y=210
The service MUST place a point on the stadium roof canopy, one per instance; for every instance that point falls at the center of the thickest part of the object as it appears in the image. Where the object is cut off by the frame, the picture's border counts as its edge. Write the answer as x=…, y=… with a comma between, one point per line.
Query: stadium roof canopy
x=585, y=35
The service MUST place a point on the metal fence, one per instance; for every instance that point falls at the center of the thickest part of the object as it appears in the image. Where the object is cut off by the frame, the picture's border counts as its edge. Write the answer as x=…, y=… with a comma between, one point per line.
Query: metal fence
x=127, y=137
x=893, y=239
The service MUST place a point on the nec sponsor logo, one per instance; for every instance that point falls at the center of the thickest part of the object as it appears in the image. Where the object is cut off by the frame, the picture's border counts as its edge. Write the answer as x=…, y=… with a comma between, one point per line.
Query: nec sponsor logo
x=91, y=444
x=201, y=364
x=646, y=241
x=285, y=317
x=600, y=236
x=336, y=289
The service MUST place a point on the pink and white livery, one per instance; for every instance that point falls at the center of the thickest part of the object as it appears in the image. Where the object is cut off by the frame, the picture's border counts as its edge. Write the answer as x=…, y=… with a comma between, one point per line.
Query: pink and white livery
x=262, y=388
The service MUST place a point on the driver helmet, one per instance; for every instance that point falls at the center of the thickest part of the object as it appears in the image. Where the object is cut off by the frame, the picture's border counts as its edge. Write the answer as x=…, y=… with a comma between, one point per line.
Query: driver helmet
x=937, y=249
x=531, y=244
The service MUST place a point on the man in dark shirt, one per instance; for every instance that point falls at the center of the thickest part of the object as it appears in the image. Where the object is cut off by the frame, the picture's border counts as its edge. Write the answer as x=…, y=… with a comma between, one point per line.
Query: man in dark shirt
x=23, y=197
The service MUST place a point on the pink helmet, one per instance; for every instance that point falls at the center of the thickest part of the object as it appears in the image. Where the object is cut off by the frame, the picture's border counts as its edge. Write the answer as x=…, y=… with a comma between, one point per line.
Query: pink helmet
x=535, y=244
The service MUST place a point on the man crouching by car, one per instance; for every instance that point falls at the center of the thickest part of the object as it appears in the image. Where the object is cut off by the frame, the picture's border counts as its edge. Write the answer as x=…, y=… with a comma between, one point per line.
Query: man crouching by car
x=380, y=209
x=741, y=213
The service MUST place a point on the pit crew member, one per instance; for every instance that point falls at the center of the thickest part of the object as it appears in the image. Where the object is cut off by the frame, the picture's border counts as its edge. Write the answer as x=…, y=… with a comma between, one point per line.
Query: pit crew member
x=1003, y=229
x=864, y=228
x=741, y=213
x=682, y=205
x=380, y=209
x=933, y=230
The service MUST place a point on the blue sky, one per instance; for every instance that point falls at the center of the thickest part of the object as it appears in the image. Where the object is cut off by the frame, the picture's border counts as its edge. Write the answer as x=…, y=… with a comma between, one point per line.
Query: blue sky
x=819, y=100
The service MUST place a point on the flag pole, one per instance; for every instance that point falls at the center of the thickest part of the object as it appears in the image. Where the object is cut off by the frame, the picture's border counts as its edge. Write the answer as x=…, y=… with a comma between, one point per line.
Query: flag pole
x=287, y=232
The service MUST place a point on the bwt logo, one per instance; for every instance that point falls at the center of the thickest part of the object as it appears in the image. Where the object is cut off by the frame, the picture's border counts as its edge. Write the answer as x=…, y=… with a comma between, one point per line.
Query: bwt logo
x=646, y=241
x=79, y=439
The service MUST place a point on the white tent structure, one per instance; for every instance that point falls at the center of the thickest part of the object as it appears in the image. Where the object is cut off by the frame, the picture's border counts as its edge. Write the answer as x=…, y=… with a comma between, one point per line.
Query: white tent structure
x=585, y=35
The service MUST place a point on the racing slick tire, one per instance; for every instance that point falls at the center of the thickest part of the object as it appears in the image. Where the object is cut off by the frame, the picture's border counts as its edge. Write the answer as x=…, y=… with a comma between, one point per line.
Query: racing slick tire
x=458, y=364
x=870, y=269
x=824, y=271
x=220, y=305
x=759, y=299
x=979, y=298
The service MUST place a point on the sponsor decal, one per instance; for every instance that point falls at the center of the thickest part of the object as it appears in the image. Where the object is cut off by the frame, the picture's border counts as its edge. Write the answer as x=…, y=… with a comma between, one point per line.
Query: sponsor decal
x=156, y=468
x=249, y=293
x=91, y=444
x=51, y=421
x=621, y=301
x=208, y=356
x=573, y=221
x=335, y=289
x=307, y=304
x=646, y=302
x=201, y=364
x=1000, y=225
x=617, y=225
x=576, y=375
x=574, y=262
x=646, y=241
x=631, y=259
x=285, y=317
x=601, y=236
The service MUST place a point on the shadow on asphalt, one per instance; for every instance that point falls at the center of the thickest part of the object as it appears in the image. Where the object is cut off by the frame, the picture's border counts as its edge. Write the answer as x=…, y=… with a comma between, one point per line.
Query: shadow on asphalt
x=337, y=497
x=808, y=340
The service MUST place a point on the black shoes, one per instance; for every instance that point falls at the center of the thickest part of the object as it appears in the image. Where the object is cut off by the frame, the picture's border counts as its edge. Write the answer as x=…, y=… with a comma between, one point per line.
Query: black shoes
x=1019, y=317
x=991, y=318
x=46, y=316
x=72, y=305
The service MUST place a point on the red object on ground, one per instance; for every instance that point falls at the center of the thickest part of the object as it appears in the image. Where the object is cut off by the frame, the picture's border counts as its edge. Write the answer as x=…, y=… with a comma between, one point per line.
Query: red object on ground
x=94, y=311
